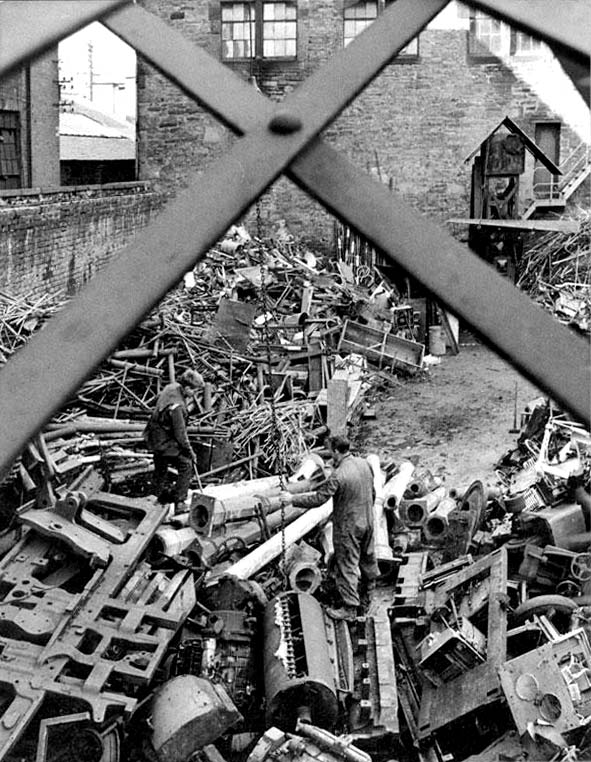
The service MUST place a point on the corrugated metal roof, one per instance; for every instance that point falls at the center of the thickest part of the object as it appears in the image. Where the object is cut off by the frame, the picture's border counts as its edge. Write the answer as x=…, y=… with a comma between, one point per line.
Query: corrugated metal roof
x=81, y=124
x=96, y=148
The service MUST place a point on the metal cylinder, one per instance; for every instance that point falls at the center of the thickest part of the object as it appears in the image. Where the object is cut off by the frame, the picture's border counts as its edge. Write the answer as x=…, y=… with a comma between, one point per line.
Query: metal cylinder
x=304, y=577
x=172, y=542
x=189, y=712
x=395, y=487
x=437, y=523
x=299, y=676
x=414, y=513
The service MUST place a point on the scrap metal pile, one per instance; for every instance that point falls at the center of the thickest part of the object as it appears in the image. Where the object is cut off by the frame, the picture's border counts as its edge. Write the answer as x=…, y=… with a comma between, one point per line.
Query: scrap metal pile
x=556, y=272
x=126, y=634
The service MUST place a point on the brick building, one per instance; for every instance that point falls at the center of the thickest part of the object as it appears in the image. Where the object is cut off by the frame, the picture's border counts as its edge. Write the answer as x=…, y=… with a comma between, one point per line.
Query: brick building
x=29, y=143
x=54, y=238
x=413, y=127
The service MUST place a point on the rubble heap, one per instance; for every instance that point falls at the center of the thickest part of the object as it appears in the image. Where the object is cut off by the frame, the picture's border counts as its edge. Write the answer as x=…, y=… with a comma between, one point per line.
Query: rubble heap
x=128, y=634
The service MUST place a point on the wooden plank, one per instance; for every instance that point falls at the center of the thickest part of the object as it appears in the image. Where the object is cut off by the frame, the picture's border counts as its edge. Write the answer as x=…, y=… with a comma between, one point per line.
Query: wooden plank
x=337, y=397
x=315, y=380
x=451, y=329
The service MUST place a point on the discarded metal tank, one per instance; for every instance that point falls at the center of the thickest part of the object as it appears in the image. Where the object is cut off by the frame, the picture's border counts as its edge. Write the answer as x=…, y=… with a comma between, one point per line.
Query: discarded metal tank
x=189, y=712
x=299, y=676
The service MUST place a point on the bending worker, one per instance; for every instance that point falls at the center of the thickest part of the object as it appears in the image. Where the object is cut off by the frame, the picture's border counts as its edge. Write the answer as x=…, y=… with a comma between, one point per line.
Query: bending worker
x=352, y=491
x=166, y=436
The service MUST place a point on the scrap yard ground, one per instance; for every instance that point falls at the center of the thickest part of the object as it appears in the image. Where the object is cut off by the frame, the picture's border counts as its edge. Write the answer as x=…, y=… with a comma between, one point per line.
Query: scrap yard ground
x=455, y=421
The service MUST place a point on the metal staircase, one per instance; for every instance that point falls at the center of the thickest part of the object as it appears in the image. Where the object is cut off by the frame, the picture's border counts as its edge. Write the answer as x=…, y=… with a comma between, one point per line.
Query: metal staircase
x=555, y=193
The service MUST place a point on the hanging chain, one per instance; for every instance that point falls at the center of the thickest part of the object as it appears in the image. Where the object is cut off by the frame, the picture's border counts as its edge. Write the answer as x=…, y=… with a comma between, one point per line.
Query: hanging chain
x=276, y=438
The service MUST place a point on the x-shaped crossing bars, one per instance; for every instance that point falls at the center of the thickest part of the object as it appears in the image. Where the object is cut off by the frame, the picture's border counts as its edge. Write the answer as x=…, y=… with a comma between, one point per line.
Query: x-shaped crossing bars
x=276, y=138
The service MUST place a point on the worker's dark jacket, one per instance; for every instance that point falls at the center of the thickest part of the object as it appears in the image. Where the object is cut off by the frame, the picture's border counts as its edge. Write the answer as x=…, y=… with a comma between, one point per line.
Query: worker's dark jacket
x=166, y=431
x=351, y=488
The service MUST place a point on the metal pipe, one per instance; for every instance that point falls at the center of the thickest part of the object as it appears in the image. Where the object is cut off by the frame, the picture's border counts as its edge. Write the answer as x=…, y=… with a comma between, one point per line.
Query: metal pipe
x=272, y=548
x=437, y=524
x=396, y=486
x=416, y=512
x=383, y=550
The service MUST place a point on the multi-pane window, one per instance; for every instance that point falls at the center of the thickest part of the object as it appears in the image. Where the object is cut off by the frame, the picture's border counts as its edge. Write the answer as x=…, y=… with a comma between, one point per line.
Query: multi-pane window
x=523, y=43
x=238, y=30
x=279, y=30
x=357, y=17
x=10, y=150
x=486, y=35
x=264, y=29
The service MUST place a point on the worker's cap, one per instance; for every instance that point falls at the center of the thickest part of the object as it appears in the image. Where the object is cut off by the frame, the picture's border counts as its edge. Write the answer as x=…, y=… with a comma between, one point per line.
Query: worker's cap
x=191, y=379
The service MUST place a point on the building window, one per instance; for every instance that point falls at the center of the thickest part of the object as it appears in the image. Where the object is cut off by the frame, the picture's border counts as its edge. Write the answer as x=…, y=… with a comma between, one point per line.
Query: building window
x=259, y=29
x=523, y=44
x=279, y=30
x=486, y=36
x=359, y=16
x=10, y=150
x=238, y=30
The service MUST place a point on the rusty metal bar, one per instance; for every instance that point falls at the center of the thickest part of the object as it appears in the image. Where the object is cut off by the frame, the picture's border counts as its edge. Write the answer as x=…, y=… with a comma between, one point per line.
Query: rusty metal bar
x=30, y=27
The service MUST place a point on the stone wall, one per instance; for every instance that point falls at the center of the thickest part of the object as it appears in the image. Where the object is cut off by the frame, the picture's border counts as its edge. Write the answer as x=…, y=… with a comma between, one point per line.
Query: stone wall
x=413, y=127
x=55, y=240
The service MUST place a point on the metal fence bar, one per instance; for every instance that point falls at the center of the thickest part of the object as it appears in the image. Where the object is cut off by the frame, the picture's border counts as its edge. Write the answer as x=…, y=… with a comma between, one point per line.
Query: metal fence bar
x=30, y=27
x=468, y=286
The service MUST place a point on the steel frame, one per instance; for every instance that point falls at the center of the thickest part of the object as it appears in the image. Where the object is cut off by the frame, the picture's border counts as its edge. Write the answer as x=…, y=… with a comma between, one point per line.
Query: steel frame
x=276, y=139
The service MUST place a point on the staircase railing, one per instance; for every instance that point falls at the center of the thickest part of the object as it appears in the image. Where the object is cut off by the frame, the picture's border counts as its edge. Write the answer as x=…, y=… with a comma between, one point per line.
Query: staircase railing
x=573, y=167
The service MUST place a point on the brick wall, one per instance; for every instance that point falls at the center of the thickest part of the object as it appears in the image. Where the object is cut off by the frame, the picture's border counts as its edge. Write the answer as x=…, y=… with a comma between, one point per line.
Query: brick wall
x=414, y=126
x=54, y=241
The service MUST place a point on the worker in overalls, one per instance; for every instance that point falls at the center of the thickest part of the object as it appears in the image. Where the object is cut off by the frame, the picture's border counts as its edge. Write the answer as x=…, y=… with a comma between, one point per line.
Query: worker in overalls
x=166, y=436
x=351, y=487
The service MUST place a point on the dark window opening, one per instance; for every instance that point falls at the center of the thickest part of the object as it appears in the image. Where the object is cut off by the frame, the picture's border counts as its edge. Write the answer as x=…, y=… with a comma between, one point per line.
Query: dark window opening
x=10, y=150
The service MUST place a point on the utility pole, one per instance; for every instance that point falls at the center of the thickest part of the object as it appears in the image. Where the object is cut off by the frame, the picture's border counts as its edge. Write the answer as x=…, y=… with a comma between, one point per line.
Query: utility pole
x=90, y=69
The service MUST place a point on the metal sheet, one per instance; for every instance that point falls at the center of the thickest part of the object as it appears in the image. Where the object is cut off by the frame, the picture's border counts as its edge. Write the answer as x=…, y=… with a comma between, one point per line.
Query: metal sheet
x=30, y=27
x=555, y=226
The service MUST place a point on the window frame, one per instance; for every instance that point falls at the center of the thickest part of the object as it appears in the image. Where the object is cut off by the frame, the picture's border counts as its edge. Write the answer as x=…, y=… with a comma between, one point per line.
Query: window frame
x=485, y=56
x=10, y=121
x=402, y=57
x=516, y=35
x=258, y=26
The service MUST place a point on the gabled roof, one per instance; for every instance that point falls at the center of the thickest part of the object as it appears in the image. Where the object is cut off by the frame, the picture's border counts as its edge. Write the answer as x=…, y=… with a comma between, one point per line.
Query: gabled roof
x=528, y=142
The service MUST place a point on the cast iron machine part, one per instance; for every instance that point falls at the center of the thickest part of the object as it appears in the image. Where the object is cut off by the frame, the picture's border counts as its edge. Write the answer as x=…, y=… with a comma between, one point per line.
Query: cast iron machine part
x=299, y=673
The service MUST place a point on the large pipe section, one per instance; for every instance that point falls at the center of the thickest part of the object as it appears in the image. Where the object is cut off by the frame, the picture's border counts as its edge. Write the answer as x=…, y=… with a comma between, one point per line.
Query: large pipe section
x=414, y=513
x=220, y=504
x=269, y=550
x=395, y=487
x=298, y=672
x=246, y=535
x=437, y=523
x=383, y=550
